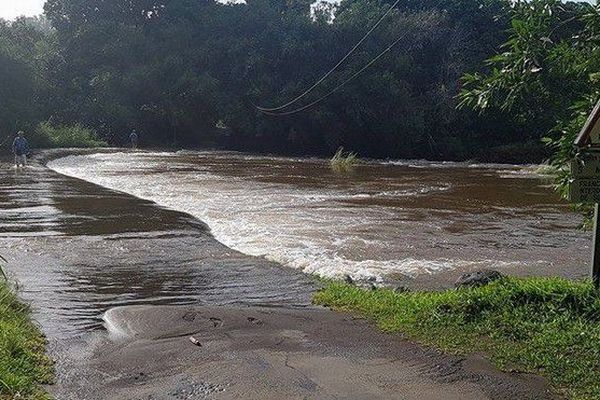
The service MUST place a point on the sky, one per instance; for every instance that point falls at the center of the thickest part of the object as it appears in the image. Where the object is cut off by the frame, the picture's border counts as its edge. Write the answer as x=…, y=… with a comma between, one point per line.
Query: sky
x=10, y=9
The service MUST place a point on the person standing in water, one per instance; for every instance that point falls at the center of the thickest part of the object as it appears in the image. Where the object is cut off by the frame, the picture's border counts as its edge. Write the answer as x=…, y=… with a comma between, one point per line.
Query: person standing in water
x=133, y=139
x=20, y=149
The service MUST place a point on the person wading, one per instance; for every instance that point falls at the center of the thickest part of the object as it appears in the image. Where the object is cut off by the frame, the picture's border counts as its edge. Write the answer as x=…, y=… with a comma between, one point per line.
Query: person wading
x=20, y=149
x=133, y=139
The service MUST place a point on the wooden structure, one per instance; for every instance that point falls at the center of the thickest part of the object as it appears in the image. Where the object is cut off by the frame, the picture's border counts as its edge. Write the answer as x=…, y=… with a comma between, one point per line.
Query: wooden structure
x=585, y=182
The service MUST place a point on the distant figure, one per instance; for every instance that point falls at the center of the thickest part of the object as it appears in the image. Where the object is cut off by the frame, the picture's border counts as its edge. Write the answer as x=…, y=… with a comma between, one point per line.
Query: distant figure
x=20, y=149
x=133, y=139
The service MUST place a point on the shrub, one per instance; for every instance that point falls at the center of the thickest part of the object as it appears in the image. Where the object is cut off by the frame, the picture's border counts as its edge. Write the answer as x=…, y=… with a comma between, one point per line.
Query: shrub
x=48, y=135
x=343, y=161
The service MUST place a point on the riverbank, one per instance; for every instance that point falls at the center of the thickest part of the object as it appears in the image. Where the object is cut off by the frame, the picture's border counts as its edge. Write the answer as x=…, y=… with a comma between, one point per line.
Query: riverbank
x=24, y=366
x=547, y=326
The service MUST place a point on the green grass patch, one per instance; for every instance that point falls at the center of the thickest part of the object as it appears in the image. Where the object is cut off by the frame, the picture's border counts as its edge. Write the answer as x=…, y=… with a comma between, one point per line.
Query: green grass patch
x=24, y=365
x=548, y=326
x=54, y=136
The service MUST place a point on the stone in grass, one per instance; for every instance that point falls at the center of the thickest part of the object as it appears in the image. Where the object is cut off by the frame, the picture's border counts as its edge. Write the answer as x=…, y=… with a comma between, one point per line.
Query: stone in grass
x=477, y=278
x=368, y=284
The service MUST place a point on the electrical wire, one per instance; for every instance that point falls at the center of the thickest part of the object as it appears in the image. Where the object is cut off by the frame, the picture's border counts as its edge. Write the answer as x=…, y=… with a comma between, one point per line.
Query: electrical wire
x=335, y=89
x=345, y=82
x=336, y=66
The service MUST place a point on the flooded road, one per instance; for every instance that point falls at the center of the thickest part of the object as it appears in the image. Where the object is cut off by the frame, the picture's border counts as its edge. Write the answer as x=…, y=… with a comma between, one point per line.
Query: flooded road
x=81, y=251
x=383, y=220
x=78, y=249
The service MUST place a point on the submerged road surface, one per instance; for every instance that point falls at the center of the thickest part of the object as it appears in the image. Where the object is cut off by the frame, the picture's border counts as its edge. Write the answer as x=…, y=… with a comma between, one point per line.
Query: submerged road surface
x=120, y=284
x=390, y=221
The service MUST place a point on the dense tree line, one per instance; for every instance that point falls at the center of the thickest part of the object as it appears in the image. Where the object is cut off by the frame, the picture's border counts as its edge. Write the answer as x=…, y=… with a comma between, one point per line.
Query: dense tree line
x=190, y=72
x=22, y=88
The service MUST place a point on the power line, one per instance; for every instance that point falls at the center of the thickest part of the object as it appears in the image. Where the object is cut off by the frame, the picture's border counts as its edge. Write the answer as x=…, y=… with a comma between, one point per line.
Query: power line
x=336, y=66
x=335, y=89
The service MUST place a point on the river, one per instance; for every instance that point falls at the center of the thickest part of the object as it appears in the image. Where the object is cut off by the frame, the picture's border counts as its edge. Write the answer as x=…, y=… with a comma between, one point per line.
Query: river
x=101, y=231
x=382, y=220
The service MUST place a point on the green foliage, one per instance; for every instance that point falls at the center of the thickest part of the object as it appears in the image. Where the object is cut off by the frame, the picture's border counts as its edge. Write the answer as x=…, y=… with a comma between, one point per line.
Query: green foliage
x=548, y=326
x=520, y=69
x=23, y=363
x=547, y=74
x=173, y=69
x=27, y=63
x=48, y=135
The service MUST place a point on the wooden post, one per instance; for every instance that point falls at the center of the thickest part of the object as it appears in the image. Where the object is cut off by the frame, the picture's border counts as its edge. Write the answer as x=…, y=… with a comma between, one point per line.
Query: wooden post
x=596, y=249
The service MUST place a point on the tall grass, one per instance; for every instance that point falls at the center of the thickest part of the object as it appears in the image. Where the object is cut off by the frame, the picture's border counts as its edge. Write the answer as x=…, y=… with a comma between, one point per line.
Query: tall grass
x=23, y=363
x=548, y=326
x=342, y=161
x=49, y=135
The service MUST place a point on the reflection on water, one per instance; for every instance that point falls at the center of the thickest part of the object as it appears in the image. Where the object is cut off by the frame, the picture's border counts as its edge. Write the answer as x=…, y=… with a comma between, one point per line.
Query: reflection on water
x=380, y=220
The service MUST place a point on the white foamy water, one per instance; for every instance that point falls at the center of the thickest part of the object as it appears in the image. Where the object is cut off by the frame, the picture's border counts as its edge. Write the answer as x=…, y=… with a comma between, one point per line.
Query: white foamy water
x=382, y=220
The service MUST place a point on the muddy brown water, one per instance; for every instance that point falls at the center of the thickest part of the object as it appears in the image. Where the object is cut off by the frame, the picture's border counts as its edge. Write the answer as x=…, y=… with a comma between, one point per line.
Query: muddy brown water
x=140, y=229
x=78, y=249
x=380, y=220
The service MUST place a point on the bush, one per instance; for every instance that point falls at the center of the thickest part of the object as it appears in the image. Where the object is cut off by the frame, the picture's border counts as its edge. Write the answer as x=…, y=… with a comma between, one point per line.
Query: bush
x=343, y=161
x=48, y=135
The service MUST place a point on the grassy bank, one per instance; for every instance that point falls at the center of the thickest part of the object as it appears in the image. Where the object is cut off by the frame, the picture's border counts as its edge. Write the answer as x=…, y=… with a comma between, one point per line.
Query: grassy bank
x=23, y=363
x=545, y=326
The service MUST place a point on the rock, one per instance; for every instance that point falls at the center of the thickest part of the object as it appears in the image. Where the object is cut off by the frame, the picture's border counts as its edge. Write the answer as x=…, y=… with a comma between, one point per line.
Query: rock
x=477, y=278
x=195, y=341
x=401, y=289
x=372, y=279
x=348, y=279
x=366, y=285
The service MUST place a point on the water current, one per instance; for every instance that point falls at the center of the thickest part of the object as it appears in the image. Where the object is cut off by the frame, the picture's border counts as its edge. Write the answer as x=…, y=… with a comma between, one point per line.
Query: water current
x=381, y=219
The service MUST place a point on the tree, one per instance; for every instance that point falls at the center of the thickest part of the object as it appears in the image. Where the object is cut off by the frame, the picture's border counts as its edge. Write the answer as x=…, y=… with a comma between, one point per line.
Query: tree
x=23, y=56
x=176, y=68
x=547, y=74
